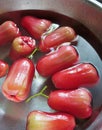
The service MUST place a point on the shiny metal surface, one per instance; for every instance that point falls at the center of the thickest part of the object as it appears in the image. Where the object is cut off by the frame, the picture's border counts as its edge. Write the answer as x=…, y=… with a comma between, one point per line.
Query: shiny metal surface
x=96, y=3
x=13, y=115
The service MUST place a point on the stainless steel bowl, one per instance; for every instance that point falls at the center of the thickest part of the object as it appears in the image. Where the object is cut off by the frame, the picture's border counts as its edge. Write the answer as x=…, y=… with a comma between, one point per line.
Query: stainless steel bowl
x=83, y=15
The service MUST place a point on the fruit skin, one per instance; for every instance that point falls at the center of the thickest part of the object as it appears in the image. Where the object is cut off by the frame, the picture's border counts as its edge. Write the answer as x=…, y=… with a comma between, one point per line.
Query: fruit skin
x=22, y=46
x=76, y=76
x=57, y=37
x=8, y=31
x=39, y=120
x=35, y=26
x=4, y=67
x=17, y=85
x=61, y=58
x=76, y=102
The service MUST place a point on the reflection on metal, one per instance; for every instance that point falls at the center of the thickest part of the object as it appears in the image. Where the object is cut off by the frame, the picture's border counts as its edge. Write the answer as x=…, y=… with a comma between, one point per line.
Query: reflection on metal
x=96, y=3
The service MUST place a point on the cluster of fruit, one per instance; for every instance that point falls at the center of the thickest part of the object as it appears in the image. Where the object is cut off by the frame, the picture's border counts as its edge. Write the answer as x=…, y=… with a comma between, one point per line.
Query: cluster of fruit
x=61, y=62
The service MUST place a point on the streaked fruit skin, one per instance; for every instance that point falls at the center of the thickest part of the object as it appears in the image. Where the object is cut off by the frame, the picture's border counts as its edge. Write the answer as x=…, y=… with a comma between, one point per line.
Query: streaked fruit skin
x=76, y=102
x=4, y=67
x=76, y=76
x=22, y=46
x=35, y=26
x=8, y=31
x=56, y=38
x=39, y=120
x=16, y=87
x=61, y=58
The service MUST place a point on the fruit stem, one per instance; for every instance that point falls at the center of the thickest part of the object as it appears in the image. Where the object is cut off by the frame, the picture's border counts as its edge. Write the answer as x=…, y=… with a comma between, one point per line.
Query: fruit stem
x=41, y=93
x=31, y=55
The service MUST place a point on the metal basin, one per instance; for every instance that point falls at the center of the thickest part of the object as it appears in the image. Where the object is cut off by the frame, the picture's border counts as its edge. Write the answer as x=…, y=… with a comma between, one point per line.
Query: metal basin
x=85, y=17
